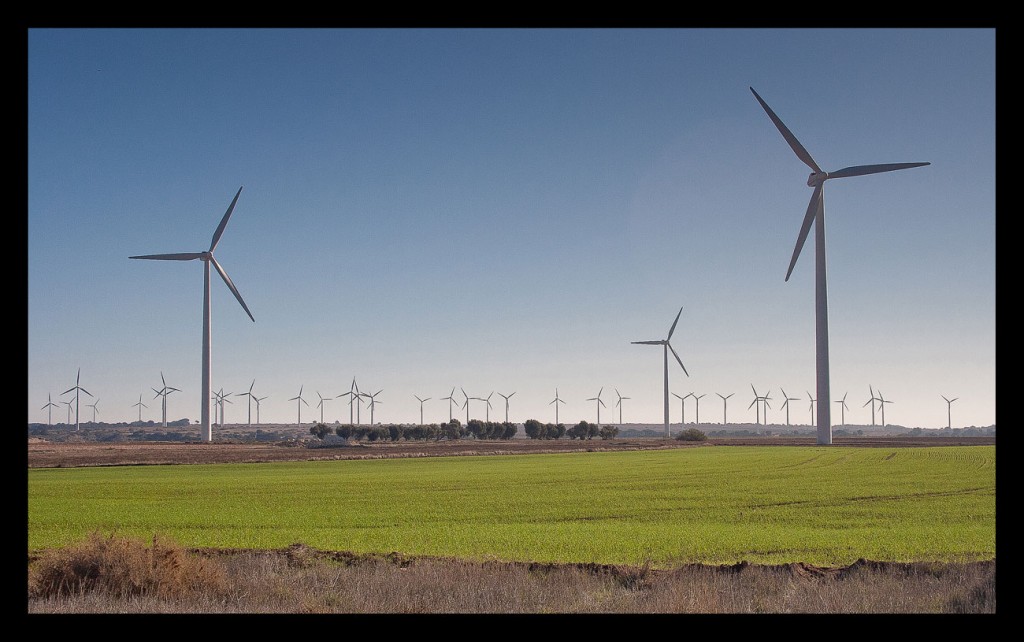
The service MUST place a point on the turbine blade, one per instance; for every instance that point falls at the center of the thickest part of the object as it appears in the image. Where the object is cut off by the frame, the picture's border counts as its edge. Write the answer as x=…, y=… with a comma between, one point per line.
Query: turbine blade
x=673, y=328
x=231, y=286
x=860, y=170
x=181, y=256
x=674, y=354
x=801, y=153
x=751, y=404
x=649, y=343
x=224, y=221
x=812, y=210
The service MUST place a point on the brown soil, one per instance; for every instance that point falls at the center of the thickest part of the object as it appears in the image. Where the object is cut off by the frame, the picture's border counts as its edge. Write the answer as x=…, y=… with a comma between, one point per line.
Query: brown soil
x=43, y=454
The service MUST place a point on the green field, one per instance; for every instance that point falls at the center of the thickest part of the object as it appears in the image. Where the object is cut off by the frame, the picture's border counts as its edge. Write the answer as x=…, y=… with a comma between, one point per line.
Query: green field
x=821, y=505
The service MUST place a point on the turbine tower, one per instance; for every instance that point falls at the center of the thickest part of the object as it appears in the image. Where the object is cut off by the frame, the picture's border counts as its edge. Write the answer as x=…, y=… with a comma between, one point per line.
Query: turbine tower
x=881, y=404
x=249, y=402
x=465, y=404
x=207, y=258
x=93, y=406
x=51, y=406
x=487, y=408
x=667, y=346
x=298, y=402
x=163, y=392
x=599, y=404
x=819, y=414
x=785, y=404
x=871, y=401
x=258, y=400
x=140, y=405
x=816, y=215
x=949, y=411
x=321, y=405
x=556, y=401
x=698, y=406
x=68, y=404
x=421, y=407
x=374, y=402
x=757, y=403
x=506, y=397
x=619, y=404
x=682, y=408
x=842, y=408
x=451, y=400
x=724, y=409
x=76, y=388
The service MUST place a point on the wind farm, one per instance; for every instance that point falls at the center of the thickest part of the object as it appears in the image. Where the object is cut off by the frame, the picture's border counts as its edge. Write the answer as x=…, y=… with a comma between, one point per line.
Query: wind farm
x=514, y=211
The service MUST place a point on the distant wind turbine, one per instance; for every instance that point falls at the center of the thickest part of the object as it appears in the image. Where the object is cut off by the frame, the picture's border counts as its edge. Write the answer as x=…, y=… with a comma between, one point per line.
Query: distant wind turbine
x=465, y=404
x=506, y=398
x=68, y=404
x=871, y=401
x=93, y=406
x=598, y=404
x=619, y=404
x=140, y=406
x=298, y=402
x=76, y=388
x=221, y=399
x=724, y=409
x=949, y=411
x=451, y=400
x=352, y=394
x=816, y=214
x=667, y=346
x=842, y=408
x=421, y=407
x=249, y=401
x=322, y=404
x=757, y=403
x=258, y=400
x=682, y=408
x=819, y=413
x=881, y=404
x=697, y=399
x=373, y=403
x=51, y=406
x=207, y=258
x=163, y=392
x=487, y=407
x=785, y=403
x=556, y=401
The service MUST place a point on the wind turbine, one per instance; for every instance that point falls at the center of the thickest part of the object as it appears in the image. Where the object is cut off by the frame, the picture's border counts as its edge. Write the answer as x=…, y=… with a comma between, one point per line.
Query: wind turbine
x=667, y=346
x=421, y=407
x=816, y=214
x=451, y=400
x=374, y=402
x=321, y=405
x=258, y=400
x=465, y=404
x=77, y=389
x=785, y=404
x=298, y=402
x=69, y=404
x=949, y=411
x=163, y=392
x=487, y=408
x=619, y=404
x=881, y=404
x=682, y=408
x=698, y=406
x=758, y=400
x=506, y=397
x=249, y=402
x=51, y=406
x=819, y=414
x=600, y=403
x=871, y=401
x=724, y=408
x=140, y=405
x=93, y=406
x=556, y=401
x=207, y=258
x=842, y=408
x=221, y=399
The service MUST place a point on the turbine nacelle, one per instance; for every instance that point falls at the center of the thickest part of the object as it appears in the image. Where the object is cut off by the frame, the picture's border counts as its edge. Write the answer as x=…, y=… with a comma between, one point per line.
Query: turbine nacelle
x=816, y=178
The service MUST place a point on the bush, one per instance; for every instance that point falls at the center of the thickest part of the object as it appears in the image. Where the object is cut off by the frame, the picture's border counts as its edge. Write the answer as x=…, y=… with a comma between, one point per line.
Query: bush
x=320, y=430
x=609, y=432
x=124, y=567
x=692, y=434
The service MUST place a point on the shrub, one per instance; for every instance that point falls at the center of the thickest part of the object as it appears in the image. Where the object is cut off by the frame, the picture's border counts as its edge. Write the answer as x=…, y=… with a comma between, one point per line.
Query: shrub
x=320, y=430
x=124, y=567
x=691, y=434
x=609, y=432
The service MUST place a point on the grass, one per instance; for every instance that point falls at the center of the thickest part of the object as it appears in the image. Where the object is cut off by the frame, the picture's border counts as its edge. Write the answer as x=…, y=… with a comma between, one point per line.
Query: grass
x=822, y=506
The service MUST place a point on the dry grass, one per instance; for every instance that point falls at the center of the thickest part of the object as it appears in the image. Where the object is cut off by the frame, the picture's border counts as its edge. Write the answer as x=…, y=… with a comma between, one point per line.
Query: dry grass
x=117, y=575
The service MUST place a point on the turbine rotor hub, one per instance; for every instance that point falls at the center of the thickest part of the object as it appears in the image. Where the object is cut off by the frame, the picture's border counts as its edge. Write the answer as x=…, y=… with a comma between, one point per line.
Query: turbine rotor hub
x=816, y=178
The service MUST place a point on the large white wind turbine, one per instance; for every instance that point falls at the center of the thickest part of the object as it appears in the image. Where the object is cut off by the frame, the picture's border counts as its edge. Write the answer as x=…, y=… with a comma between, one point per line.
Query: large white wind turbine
x=667, y=346
x=506, y=397
x=140, y=405
x=600, y=403
x=816, y=214
x=842, y=408
x=556, y=401
x=76, y=388
x=487, y=408
x=949, y=411
x=785, y=404
x=757, y=402
x=421, y=406
x=451, y=400
x=163, y=392
x=871, y=401
x=697, y=399
x=682, y=408
x=619, y=404
x=207, y=258
x=51, y=406
x=298, y=402
x=724, y=408
x=881, y=404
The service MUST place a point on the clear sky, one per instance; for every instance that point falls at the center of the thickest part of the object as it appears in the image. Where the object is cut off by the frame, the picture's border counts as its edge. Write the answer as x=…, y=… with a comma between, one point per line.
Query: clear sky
x=506, y=210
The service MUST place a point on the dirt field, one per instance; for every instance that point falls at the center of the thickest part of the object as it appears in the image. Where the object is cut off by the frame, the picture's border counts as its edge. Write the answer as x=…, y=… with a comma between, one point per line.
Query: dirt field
x=44, y=454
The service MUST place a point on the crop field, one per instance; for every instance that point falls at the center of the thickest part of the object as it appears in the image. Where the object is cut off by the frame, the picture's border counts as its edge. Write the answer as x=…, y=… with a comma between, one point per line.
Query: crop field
x=823, y=506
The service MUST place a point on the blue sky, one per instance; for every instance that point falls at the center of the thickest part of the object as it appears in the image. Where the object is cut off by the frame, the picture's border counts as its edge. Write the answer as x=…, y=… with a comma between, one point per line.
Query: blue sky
x=506, y=210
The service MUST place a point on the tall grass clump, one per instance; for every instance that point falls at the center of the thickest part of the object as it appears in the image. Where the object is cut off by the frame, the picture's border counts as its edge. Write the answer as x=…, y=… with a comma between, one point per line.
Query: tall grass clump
x=124, y=567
